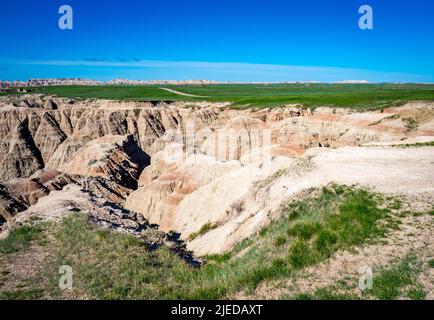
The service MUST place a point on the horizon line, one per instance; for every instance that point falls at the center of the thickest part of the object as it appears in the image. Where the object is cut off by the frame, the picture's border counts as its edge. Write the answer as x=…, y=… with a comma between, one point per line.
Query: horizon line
x=222, y=71
x=187, y=81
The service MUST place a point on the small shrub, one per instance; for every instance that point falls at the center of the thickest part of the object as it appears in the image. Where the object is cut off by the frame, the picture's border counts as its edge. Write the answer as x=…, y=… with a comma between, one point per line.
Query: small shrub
x=300, y=296
x=92, y=162
x=277, y=269
x=300, y=254
x=263, y=231
x=410, y=124
x=280, y=241
x=292, y=215
x=417, y=293
x=137, y=112
x=219, y=257
x=238, y=206
x=395, y=205
x=297, y=210
x=325, y=242
x=304, y=229
x=204, y=229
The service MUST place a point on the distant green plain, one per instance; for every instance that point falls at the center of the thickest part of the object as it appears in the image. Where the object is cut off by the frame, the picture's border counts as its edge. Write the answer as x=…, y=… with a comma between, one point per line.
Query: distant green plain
x=358, y=96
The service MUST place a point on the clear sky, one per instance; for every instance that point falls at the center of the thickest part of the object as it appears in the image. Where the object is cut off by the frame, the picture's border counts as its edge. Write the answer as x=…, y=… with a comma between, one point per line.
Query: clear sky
x=235, y=40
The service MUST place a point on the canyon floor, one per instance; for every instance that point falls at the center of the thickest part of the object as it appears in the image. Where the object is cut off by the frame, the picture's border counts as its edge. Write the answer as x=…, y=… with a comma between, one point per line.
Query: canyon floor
x=199, y=200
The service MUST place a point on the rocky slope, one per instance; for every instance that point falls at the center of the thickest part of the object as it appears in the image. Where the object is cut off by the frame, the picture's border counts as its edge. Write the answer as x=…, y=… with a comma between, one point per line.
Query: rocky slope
x=214, y=174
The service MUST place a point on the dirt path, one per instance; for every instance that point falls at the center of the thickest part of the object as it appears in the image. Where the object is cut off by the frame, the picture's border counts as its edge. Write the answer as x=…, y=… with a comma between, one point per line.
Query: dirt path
x=182, y=93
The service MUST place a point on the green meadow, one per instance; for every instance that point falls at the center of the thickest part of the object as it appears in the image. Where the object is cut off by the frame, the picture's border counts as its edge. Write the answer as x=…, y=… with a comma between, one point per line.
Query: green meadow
x=359, y=96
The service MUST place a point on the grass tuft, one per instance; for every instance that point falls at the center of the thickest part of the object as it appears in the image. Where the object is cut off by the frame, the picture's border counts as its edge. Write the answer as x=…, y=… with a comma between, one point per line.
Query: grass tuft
x=280, y=241
x=304, y=229
x=20, y=239
x=301, y=254
x=204, y=229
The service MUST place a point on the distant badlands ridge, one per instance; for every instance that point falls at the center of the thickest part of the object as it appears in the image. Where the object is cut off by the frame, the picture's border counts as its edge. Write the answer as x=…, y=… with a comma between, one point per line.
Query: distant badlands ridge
x=89, y=82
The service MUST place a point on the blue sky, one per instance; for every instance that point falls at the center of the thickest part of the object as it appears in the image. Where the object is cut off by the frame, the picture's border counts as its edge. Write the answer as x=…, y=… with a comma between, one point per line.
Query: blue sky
x=228, y=40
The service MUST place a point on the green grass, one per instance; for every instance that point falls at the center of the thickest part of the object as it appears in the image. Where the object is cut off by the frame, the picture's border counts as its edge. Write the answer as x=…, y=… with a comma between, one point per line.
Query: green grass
x=204, y=229
x=416, y=145
x=389, y=282
x=325, y=242
x=322, y=294
x=280, y=241
x=30, y=294
x=109, y=265
x=417, y=293
x=140, y=93
x=301, y=254
x=338, y=219
x=20, y=239
x=313, y=95
x=304, y=229
x=359, y=96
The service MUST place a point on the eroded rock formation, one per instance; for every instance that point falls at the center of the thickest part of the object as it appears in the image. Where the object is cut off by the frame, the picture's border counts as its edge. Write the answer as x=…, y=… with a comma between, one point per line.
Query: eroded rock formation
x=185, y=166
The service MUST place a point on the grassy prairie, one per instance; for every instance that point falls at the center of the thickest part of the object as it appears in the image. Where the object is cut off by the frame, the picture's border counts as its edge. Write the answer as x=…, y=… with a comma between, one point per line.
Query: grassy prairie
x=117, y=266
x=359, y=96
x=141, y=93
x=313, y=95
